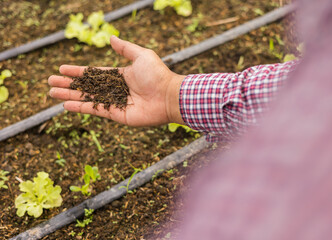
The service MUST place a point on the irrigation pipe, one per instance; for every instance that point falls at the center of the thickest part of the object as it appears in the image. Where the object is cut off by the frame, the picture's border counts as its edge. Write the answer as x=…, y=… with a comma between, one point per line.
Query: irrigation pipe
x=60, y=35
x=171, y=59
x=228, y=35
x=115, y=192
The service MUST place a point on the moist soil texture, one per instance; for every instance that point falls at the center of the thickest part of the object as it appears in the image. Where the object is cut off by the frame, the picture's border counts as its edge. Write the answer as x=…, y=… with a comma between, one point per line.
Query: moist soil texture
x=102, y=86
x=63, y=145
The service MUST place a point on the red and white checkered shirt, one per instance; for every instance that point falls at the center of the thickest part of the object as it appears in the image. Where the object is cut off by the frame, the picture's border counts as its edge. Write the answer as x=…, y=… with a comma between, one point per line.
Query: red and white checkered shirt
x=224, y=105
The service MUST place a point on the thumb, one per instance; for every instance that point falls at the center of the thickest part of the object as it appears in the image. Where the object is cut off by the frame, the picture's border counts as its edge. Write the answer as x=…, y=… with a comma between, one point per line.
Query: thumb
x=127, y=49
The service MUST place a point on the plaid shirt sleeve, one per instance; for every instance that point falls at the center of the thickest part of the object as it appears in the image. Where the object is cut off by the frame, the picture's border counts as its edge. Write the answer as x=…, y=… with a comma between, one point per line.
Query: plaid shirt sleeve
x=224, y=105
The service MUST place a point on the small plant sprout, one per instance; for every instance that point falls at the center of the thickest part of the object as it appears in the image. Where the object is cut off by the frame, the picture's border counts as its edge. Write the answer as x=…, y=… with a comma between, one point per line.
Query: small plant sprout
x=37, y=195
x=87, y=218
x=60, y=161
x=97, y=32
x=3, y=179
x=156, y=174
x=3, y=90
x=91, y=175
x=136, y=170
x=95, y=139
x=182, y=7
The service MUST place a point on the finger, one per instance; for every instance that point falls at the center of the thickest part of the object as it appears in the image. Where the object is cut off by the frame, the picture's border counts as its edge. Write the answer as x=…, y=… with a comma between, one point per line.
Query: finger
x=66, y=94
x=127, y=49
x=59, y=81
x=87, y=108
x=76, y=71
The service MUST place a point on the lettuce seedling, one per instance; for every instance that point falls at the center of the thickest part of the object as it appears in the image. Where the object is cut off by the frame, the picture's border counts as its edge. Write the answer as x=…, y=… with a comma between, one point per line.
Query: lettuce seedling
x=3, y=179
x=182, y=7
x=38, y=195
x=3, y=90
x=91, y=175
x=97, y=32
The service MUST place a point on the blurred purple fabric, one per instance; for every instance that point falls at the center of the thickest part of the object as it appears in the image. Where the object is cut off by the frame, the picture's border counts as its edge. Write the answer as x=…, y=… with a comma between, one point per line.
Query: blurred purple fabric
x=276, y=183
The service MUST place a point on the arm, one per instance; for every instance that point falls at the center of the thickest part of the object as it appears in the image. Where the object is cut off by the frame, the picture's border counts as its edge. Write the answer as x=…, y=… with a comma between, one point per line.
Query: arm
x=225, y=104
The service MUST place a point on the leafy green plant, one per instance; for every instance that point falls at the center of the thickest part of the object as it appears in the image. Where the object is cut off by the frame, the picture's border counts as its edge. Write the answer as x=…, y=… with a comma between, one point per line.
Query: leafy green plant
x=87, y=218
x=37, y=195
x=3, y=90
x=61, y=161
x=182, y=7
x=3, y=179
x=91, y=175
x=97, y=32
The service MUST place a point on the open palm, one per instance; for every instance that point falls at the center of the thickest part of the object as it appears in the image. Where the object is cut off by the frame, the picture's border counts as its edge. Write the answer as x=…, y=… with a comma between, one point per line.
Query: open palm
x=152, y=88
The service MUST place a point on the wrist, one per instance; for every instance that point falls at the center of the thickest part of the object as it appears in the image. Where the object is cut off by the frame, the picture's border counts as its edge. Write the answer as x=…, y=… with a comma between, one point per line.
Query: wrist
x=172, y=99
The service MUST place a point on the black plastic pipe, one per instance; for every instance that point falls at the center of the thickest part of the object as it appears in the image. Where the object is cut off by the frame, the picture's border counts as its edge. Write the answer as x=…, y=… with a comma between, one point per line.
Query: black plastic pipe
x=113, y=193
x=171, y=59
x=60, y=35
x=228, y=35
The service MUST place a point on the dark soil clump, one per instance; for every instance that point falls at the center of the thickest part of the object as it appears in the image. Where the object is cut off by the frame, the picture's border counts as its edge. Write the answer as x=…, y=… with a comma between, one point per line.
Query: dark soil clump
x=102, y=86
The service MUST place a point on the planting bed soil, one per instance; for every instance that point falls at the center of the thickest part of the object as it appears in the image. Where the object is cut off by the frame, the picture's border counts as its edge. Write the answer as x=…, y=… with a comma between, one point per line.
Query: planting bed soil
x=145, y=212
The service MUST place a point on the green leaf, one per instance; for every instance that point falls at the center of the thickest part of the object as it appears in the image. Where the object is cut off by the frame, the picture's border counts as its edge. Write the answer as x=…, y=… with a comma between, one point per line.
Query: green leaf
x=3, y=94
x=289, y=57
x=5, y=74
x=172, y=127
x=182, y=7
x=85, y=35
x=96, y=19
x=101, y=39
x=75, y=189
x=161, y=4
x=185, y=9
x=86, y=179
x=85, y=189
x=88, y=170
x=76, y=18
x=110, y=29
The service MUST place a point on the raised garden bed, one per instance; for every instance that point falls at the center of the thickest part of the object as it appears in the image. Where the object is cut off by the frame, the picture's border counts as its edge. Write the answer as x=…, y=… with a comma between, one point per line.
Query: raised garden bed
x=142, y=213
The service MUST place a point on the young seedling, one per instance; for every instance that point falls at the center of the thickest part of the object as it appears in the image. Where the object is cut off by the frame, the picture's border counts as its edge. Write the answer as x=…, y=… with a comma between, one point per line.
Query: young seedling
x=97, y=32
x=136, y=170
x=156, y=174
x=87, y=218
x=91, y=175
x=3, y=90
x=60, y=161
x=182, y=7
x=3, y=179
x=95, y=139
x=37, y=195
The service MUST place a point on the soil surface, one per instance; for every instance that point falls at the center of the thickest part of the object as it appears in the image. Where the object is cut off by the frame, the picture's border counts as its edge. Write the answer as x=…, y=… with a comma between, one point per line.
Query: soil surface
x=102, y=86
x=144, y=213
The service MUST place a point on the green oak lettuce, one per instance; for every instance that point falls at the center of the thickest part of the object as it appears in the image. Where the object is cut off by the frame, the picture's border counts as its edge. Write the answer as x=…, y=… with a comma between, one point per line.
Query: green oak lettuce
x=97, y=32
x=182, y=7
x=37, y=195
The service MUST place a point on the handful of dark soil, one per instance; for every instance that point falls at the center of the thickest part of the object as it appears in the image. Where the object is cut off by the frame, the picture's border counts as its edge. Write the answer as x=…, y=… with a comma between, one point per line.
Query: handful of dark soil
x=102, y=86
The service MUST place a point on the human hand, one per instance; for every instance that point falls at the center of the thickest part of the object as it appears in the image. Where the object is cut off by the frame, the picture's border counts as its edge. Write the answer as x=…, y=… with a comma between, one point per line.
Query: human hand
x=154, y=89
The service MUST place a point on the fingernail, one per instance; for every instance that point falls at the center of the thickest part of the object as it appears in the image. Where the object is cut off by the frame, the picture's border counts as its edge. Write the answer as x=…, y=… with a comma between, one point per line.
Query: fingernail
x=51, y=92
